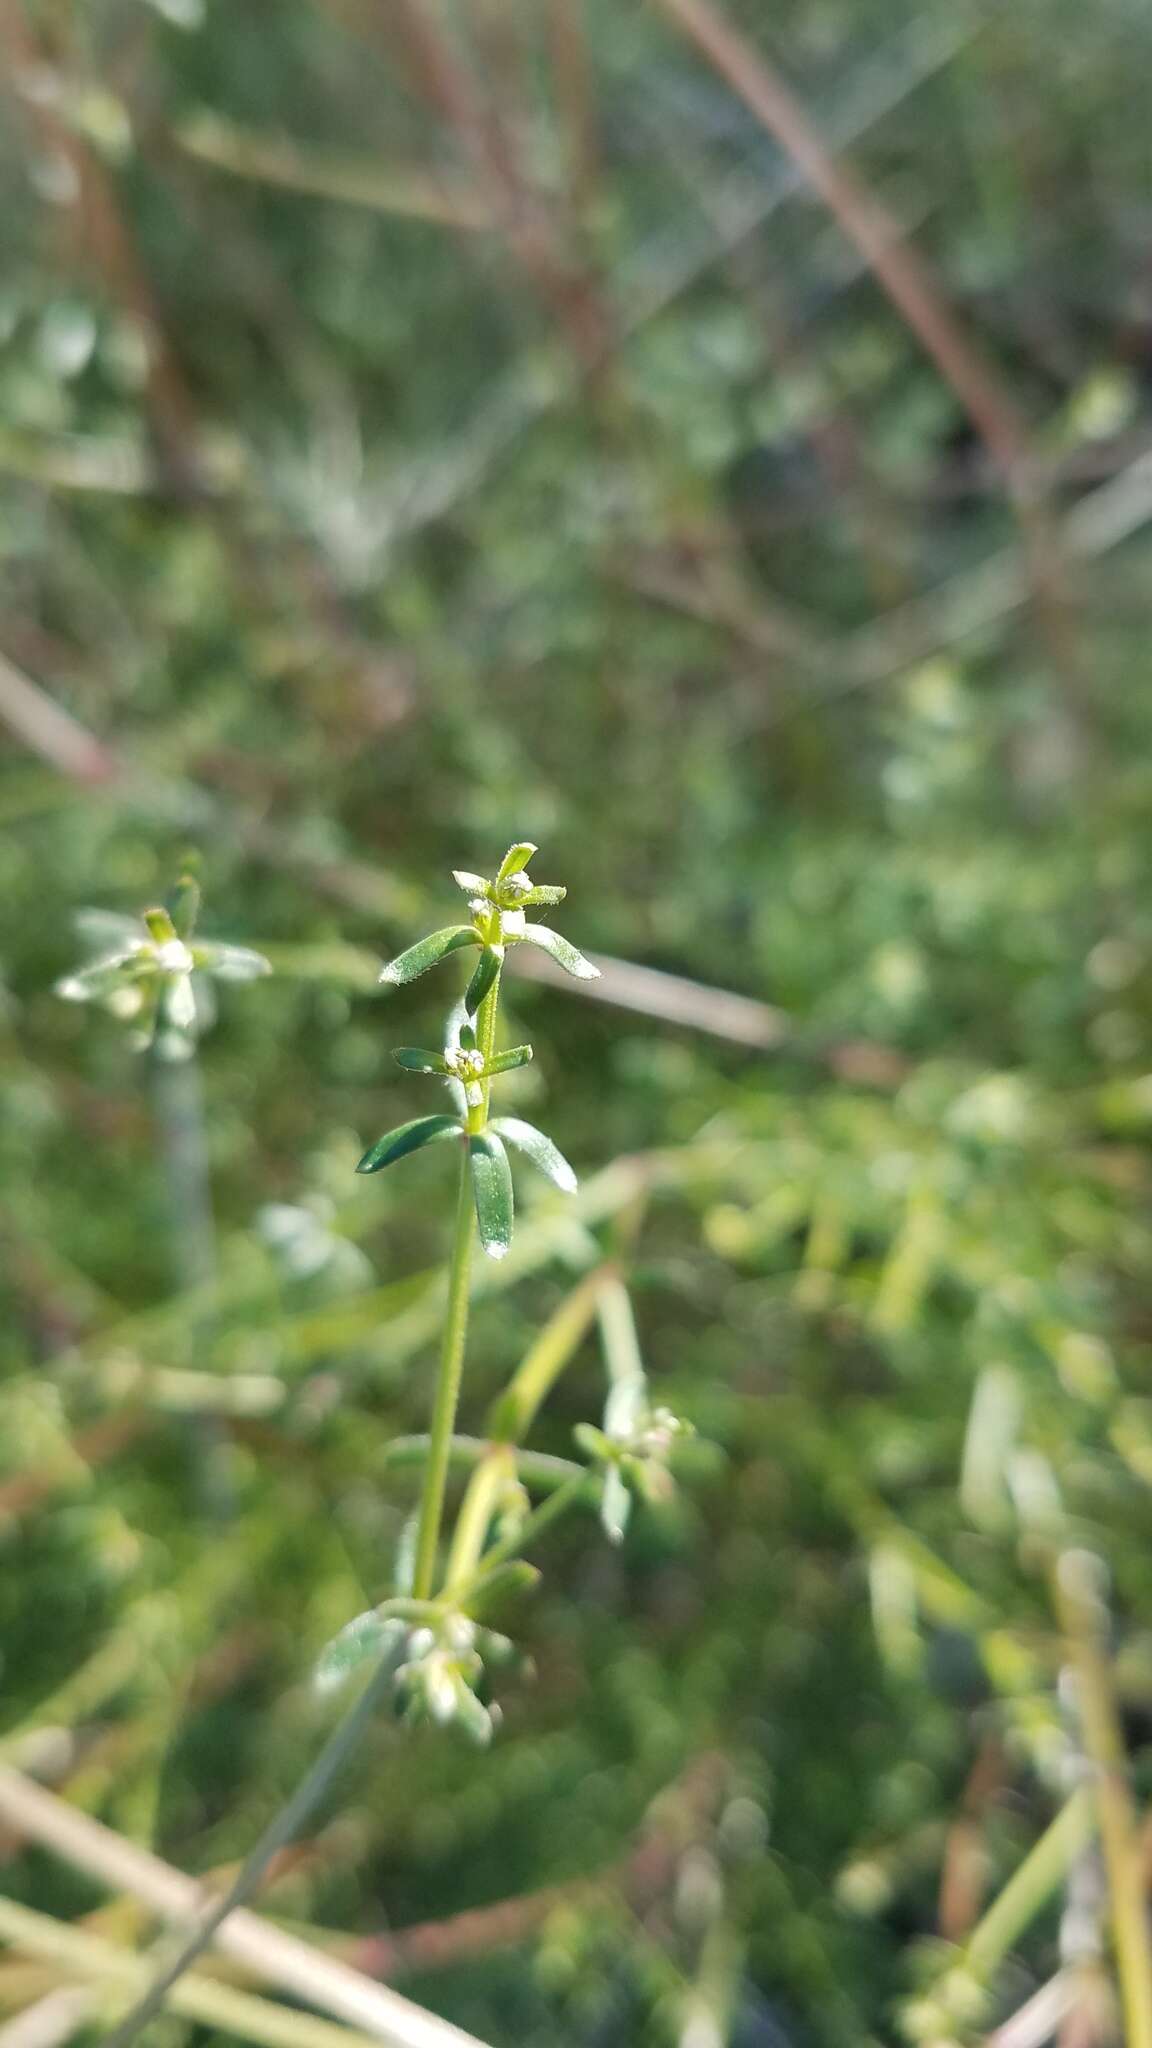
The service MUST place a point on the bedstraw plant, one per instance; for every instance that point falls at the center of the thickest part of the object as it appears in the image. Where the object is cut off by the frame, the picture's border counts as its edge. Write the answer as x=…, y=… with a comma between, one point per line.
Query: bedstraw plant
x=435, y=1626
x=430, y=1644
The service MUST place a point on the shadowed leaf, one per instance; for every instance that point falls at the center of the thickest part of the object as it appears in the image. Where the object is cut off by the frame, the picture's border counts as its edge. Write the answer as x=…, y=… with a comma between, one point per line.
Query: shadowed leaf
x=407, y=1138
x=492, y=1192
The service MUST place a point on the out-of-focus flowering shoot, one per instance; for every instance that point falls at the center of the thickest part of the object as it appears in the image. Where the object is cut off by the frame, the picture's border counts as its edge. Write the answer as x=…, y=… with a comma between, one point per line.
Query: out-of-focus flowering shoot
x=155, y=975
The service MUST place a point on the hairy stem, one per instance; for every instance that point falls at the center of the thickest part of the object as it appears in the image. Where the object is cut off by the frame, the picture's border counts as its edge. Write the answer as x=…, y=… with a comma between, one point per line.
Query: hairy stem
x=447, y=1390
x=486, y=1039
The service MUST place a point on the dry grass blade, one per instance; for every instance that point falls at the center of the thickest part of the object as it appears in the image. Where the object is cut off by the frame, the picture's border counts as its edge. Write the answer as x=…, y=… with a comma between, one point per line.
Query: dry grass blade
x=272, y=160
x=266, y=1950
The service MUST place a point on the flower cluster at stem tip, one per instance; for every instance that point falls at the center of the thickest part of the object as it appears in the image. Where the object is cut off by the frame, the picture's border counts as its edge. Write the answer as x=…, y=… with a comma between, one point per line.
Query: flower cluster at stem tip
x=469, y=1060
x=153, y=973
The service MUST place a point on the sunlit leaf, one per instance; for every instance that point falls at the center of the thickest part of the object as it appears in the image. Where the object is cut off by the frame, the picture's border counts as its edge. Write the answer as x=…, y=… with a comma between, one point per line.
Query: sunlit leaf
x=539, y=1149
x=517, y=857
x=514, y=1056
x=562, y=951
x=426, y=953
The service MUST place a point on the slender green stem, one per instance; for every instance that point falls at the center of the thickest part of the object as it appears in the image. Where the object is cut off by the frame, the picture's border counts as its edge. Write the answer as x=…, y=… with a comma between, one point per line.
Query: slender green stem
x=558, y=1503
x=486, y=1040
x=447, y=1390
x=494, y=1472
x=1031, y=1885
x=512, y=1414
x=282, y=1829
x=1084, y=1621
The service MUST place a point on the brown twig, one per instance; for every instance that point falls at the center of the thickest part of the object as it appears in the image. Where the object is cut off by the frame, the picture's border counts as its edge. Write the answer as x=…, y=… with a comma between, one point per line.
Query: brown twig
x=917, y=295
x=102, y=238
x=528, y=224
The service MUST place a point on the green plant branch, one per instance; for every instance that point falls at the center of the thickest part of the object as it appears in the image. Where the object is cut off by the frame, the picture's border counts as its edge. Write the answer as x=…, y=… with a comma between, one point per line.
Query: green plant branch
x=447, y=1390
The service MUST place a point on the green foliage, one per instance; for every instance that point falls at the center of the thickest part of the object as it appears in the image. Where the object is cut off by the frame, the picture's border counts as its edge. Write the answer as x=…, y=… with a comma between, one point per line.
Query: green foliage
x=340, y=545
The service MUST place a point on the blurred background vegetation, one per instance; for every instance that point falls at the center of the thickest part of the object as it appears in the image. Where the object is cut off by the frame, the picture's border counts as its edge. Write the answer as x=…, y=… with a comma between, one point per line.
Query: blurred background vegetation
x=717, y=446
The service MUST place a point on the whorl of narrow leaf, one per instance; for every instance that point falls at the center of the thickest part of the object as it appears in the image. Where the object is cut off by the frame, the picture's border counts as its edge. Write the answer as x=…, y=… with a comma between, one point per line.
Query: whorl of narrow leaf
x=561, y=950
x=539, y=1149
x=491, y=1192
x=487, y=968
x=419, y=958
x=407, y=1138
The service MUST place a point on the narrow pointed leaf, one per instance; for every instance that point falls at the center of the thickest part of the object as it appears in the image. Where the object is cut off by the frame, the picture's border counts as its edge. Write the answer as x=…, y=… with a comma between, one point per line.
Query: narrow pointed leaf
x=615, y=1505
x=368, y=1636
x=517, y=857
x=492, y=1192
x=546, y=892
x=184, y=906
x=99, y=979
x=426, y=953
x=106, y=931
x=472, y=885
x=500, y=1585
x=539, y=1149
x=231, y=963
x=407, y=1138
x=417, y=1061
x=466, y=1038
x=486, y=969
x=515, y=1056
x=160, y=925
x=562, y=951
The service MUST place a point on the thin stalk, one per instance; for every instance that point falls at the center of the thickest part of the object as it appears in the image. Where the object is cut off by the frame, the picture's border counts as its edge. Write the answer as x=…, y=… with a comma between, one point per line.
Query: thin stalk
x=557, y=1503
x=481, y=1497
x=1030, y=1886
x=486, y=1040
x=178, y=1090
x=280, y=1831
x=513, y=1413
x=1082, y=1618
x=447, y=1390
